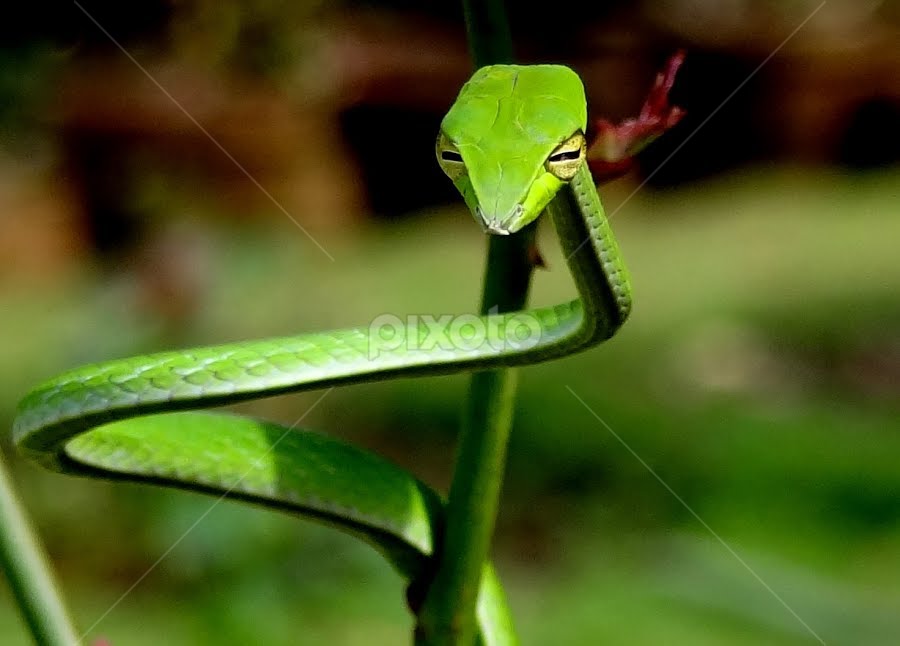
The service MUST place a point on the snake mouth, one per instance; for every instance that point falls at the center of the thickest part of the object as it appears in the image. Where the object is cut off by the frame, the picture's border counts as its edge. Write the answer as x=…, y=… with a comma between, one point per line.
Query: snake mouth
x=500, y=226
x=496, y=228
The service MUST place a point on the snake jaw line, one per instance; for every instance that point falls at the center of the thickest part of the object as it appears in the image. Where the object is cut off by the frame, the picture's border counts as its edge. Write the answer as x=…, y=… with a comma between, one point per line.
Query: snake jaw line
x=500, y=226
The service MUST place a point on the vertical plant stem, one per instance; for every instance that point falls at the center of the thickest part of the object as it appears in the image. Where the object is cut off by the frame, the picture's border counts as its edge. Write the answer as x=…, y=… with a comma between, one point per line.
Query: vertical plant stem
x=447, y=616
x=26, y=568
x=487, y=28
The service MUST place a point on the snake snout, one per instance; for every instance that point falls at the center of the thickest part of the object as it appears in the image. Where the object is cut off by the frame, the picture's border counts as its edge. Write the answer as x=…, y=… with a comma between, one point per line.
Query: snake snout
x=500, y=225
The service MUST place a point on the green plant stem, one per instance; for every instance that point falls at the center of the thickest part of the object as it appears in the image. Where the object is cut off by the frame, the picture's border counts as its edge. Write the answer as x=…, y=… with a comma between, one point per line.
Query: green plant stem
x=25, y=564
x=447, y=616
x=487, y=28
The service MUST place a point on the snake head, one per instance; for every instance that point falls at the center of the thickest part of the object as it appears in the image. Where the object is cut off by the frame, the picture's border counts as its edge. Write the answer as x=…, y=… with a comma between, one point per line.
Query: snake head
x=512, y=139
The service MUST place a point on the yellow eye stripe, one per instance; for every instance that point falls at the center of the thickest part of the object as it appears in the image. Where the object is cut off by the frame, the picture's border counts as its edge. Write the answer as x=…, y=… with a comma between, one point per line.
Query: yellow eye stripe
x=449, y=158
x=563, y=162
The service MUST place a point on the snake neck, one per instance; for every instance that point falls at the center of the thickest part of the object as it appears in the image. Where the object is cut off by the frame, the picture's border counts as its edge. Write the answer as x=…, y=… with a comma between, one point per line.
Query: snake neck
x=592, y=254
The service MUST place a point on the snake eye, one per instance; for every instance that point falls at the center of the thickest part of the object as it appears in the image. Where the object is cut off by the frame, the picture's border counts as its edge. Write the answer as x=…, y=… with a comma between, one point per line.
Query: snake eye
x=448, y=157
x=566, y=155
x=563, y=162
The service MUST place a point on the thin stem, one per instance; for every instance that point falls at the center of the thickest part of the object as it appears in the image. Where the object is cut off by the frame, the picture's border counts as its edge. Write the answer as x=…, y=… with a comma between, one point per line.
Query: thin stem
x=25, y=564
x=487, y=28
x=447, y=617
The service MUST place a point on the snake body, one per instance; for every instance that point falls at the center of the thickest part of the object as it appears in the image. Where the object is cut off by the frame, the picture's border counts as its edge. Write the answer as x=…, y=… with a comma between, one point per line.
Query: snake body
x=137, y=418
x=98, y=394
x=115, y=419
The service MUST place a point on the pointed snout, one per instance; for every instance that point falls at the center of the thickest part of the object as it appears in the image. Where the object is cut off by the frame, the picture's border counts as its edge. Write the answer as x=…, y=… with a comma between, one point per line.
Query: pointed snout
x=502, y=224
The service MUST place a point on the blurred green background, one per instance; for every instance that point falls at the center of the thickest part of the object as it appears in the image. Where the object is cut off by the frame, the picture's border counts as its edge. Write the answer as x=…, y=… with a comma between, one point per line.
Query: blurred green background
x=758, y=377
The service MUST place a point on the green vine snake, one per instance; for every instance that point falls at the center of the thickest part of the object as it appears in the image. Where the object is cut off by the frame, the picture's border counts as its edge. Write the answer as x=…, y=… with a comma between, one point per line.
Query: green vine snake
x=513, y=143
